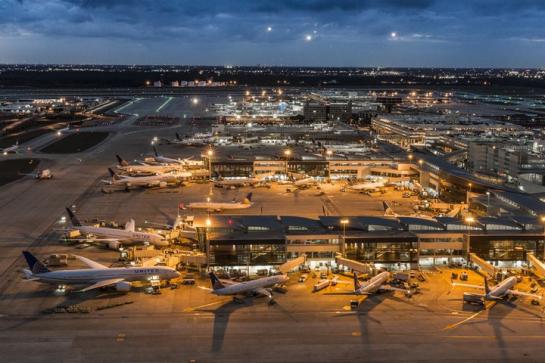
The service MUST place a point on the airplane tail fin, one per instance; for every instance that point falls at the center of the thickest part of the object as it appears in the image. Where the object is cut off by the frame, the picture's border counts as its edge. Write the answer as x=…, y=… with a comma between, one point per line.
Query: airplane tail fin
x=248, y=199
x=75, y=221
x=216, y=283
x=388, y=211
x=357, y=284
x=35, y=266
x=121, y=161
x=113, y=174
x=130, y=225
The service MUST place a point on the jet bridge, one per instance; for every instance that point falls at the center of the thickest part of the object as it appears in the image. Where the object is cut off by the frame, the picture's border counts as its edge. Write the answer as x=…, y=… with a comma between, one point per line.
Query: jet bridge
x=538, y=266
x=365, y=268
x=291, y=264
x=483, y=265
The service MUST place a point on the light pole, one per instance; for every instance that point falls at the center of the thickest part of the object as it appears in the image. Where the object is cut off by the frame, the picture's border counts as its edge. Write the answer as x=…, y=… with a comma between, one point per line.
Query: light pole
x=467, y=194
x=469, y=220
x=210, y=153
x=329, y=153
x=488, y=203
x=344, y=222
x=421, y=162
x=208, y=224
x=287, y=153
x=543, y=221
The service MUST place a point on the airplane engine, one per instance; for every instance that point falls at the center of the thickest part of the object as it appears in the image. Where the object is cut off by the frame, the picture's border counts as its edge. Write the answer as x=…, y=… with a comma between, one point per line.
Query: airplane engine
x=114, y=245
x=162, y=184
x=123, y=286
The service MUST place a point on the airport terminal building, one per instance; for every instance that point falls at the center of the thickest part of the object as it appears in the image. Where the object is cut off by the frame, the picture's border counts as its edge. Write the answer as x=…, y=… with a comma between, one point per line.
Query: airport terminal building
x=262, y=241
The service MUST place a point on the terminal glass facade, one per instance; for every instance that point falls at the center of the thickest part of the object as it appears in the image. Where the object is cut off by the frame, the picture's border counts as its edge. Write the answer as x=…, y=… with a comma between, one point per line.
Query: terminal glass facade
x=386, y=252
x=247, y=254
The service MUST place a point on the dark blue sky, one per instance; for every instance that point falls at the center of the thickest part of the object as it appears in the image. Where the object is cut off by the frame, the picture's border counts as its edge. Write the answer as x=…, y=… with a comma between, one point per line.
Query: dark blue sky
x=452, y=33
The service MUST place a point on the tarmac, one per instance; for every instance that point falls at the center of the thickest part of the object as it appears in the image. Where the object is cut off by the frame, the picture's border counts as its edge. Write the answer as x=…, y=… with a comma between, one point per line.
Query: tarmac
x=189, y=324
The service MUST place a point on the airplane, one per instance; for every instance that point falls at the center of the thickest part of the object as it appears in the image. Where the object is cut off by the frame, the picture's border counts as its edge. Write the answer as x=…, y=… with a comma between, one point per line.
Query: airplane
x=169, y=161
x=192, y=141
x=12, y=149
x=237, y=183
x=375, y=284
x=259, y=286
x=499, y=292
x=115, y=237
x=159, y=180
x=300, y=183
x=97, y=275
x=305, y=182
x=389, y=212
x=367, y=186
x=220, y=206
x=146, y=168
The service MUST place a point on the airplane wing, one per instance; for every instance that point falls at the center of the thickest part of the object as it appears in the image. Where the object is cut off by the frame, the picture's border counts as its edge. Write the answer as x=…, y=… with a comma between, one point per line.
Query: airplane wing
x=468, y=285
x=100, y=284
x=264, y=292
x=90, y=263
x=391, y=288
x=520, y=293
x=345, y=282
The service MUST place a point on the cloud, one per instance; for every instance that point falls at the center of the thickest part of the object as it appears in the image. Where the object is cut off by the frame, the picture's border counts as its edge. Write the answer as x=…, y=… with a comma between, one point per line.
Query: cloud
x=339, y=24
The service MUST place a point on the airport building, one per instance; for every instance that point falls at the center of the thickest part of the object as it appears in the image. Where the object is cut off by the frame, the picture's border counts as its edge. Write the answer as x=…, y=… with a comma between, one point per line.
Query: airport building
x=315, y=167
x=321, y=111
x=261, y=241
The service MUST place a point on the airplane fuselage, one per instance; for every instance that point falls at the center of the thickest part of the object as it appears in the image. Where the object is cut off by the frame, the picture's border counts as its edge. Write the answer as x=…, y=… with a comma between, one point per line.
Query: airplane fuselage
x=502, y=289
x=150, y=180
x=218, y=206
x=123, y=234
x=374, y=284
x=91, y=276
x=248, y=286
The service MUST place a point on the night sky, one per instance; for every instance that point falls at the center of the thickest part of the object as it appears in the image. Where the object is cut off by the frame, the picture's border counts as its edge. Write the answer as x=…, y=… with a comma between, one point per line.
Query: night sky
x=427, y=33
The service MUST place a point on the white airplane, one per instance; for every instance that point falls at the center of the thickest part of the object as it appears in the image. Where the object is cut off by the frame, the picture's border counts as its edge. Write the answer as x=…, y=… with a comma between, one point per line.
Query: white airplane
x=375, y=284
x=97, y=275
x=500, y=291
x=159, y=180
x=169, y=161
x=300, y=183
x=367, y=186
x=305, y=182
x=146, y=168
x=259, y=286
x=115, y=237
x=12, y=149
x=220, y=206
x=389, y=212
x=237, y=183
x=196, y=140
